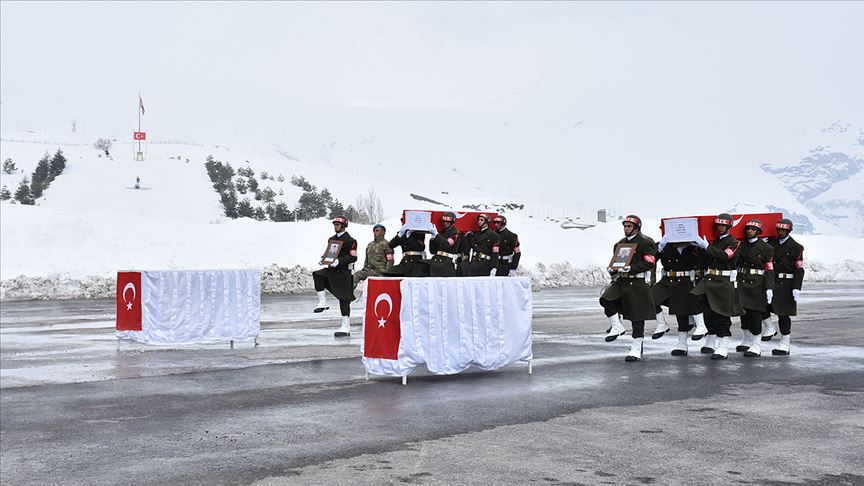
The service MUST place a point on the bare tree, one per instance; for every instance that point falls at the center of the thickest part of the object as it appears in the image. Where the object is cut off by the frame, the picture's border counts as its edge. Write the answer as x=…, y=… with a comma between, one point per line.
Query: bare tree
x=368, y=208
x=103, y=144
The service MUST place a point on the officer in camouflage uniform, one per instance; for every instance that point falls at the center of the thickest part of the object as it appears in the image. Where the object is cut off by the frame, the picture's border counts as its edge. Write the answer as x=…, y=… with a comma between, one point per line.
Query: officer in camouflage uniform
x=485, y=247
x=336, y=277
x=680, y=264
x=413, y=244
x=788, y=279
x=509, y=251
x=444, y=247
x=755, y=286
x=379, y=256
x=629, y=293
x=716, y=292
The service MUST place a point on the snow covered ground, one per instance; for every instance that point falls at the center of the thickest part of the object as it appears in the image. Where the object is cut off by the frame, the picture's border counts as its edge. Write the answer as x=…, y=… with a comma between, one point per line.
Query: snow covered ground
x=92, y=223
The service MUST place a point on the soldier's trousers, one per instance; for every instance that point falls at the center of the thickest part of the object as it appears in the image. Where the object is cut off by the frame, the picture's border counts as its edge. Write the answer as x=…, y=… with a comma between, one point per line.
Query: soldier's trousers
x=683, y=321
x=751, y=320
x=784, y=322
x=612, y=307
x=717, y=324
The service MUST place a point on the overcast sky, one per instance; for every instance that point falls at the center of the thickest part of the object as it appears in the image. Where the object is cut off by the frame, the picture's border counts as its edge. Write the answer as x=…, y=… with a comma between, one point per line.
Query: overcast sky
x=564, y=87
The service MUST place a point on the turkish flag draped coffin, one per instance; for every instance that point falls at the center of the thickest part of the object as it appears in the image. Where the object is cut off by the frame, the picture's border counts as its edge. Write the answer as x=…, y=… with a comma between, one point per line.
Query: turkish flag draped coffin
x=188, y=306
x=446, y=324
x=465, y=222
x=706, y=224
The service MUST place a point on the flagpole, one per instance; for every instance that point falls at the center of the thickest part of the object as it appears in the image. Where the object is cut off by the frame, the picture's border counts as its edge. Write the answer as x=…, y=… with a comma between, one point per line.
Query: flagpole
x=138, y=108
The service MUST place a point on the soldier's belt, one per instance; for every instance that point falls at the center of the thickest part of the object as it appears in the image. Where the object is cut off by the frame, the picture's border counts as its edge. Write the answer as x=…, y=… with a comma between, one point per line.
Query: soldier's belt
x=785, y=275
x=482, y=256
x=630, y=275
x=506, y=258
x=751, y=271
x=688, y=273
x=412, y=253
x=719, y=273
x=452, y=256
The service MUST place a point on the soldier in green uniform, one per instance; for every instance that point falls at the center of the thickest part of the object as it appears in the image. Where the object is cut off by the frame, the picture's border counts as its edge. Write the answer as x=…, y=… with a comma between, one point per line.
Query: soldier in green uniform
x=755, y=286
x=336, y=277
x=680, y=263
x=788, y=279
x=484, y=246
x=413, y=244
x=379, y=256
x=630, y=291
x=509, y=251
x=716, y=292
x=444, y=247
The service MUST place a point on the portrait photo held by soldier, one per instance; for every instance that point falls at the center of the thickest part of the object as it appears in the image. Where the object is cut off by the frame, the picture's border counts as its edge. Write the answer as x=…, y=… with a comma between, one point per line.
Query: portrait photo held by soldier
x=336, y=277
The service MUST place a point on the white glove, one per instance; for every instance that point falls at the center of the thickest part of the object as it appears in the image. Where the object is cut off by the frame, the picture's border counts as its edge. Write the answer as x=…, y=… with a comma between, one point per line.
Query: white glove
x=702, y=242
x=611, y=272
x=335, y=263
x=624, y=269
x=433, y=229
x=408, y=234
x=402, y=230
x=795, y=294
x=512, y=273
x=493, y=272
x=769, y=295
x=663, y=242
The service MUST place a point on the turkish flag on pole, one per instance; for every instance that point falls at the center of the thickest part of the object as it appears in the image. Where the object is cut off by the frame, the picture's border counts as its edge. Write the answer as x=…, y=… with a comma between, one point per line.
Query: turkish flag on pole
x=128, y=301
x=381, y=323
x=139, y=135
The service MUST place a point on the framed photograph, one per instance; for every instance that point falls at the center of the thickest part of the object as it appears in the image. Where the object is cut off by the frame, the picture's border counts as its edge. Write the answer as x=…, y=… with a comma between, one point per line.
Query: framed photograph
x=332, y=251
x=418, y=220
x=622, y=255
x=681, y=230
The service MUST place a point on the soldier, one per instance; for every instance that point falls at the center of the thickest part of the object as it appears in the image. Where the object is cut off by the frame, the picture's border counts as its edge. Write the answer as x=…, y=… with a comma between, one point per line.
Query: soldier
x=413, y=244
x=336, y=277
x=630, y=291
x=716, y=292
x=379, y=256
x=680, y=263
x=509, y=252
x=444, y=247
x=485, y=247
x=788, y=278
x=755, y=286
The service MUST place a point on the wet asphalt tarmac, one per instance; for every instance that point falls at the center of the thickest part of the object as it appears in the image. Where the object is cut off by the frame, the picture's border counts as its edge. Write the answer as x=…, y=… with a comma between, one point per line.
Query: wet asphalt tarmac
x=77, y=407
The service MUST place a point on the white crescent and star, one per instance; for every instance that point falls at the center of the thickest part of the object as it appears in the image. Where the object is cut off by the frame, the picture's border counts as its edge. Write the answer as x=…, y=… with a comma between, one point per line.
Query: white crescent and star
x=128, y=286
x=386, y=298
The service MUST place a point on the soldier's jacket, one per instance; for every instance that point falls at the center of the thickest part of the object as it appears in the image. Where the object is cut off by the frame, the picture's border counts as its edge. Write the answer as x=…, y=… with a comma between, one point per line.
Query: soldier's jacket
x=448, y=241
x=414, y=243
x=758, y=256
x=339, y=280
x=788, y=260
x=379, y=257
x=637, y=300
x=673, y=289
x=509, y=247
x=484, y=247
x=721, y=291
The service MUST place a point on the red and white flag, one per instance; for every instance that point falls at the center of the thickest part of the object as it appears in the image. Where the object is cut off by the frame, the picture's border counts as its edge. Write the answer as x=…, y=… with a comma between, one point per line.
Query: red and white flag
x=383, y=326
x=141, y=104
x=129, y=301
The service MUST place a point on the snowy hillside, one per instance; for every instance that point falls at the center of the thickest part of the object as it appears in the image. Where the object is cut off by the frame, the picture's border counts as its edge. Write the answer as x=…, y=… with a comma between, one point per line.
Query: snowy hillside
x=91, y=222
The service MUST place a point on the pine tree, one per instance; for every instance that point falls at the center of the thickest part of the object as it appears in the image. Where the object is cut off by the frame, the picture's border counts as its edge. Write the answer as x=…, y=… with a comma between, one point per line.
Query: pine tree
x=22, y=195
x=58, y=164
x=41, y=177
x=229, y=202
x=253, y=186
x=9, y=166
x=5, y=195
x=336, y=209
x=240, y=185
x=259, y=214
x=244, y=209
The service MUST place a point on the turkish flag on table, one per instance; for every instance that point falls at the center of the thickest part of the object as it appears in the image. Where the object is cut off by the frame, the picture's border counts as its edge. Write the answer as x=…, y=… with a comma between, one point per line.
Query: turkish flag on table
x=382, y=324
x=128, y=301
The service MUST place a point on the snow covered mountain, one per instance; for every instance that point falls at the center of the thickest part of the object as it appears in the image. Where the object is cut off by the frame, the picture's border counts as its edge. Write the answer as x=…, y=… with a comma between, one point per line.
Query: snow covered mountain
x=829, y=178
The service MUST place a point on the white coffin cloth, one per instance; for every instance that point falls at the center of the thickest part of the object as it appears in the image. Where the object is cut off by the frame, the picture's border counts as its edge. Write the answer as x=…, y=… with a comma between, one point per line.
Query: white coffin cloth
x=452, y=323
x=198, y=306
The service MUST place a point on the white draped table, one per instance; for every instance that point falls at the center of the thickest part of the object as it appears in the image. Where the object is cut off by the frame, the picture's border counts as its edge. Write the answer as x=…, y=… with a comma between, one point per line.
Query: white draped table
x=188, y=306
x=446, y=324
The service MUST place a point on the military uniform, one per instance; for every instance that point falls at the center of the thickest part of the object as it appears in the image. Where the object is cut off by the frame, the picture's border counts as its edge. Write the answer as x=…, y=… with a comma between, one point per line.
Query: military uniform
x=716, y=292
x=788, y=280
x=413, y=251
x=379, y=259
x=484, y=247
x=444, y=248
x=680, y=266
x=755, y=278
x=337, y=277
x=509, y=251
